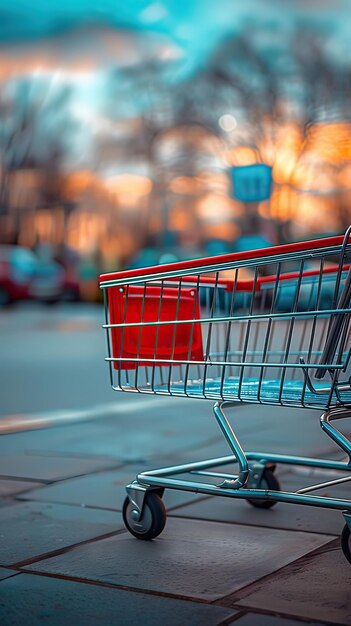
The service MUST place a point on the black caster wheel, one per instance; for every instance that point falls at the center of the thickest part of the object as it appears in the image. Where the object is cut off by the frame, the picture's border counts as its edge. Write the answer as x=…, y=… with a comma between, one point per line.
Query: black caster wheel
x=346, y=542
x=152, y=521
x=270, y=482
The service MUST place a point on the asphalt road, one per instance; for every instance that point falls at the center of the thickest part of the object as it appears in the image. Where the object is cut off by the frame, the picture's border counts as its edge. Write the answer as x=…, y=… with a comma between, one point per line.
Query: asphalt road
x=52, y=357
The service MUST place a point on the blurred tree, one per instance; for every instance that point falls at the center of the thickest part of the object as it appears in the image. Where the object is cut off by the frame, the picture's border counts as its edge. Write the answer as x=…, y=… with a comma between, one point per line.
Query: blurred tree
x=257, y=97
x=34, y=133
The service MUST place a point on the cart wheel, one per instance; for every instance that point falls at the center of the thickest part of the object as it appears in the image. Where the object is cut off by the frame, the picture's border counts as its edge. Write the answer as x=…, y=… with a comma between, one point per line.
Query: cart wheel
x=152, y=521
x=346, y=542
x=268, y=481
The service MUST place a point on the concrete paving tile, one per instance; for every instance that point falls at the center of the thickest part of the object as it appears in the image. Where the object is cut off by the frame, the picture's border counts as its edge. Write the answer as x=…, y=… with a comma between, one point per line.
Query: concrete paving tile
x=10, y=487
x=317, y=587
x=49, y=468
x=6, y=573
x=254, y=619
x=191, y=558
x=285, y=516
x=304, y=477
x=30, y=529
x=294, y=517
x=34, y=600
x=105, y=490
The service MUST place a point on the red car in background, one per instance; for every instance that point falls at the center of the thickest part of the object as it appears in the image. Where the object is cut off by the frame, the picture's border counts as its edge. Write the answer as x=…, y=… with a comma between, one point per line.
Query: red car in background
x=24, y=275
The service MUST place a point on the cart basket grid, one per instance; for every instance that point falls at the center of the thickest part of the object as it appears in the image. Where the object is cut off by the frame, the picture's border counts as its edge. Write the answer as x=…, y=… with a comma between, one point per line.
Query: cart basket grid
x=271, y=326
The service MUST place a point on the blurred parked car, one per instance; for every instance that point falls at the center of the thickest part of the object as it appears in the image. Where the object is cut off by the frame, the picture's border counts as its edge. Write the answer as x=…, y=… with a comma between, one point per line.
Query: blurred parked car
x=24, y=275
x=17, y=269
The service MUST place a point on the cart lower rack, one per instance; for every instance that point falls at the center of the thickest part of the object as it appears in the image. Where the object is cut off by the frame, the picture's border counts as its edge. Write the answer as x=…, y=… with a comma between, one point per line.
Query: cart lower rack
x=265, y=327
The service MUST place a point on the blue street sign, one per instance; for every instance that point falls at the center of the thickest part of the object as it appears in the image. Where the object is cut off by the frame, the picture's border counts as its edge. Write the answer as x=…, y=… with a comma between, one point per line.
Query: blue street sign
x=252, y=183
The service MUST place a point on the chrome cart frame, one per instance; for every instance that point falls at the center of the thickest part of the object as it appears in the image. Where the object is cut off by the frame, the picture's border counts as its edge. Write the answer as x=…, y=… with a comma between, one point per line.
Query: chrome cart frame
x=264, y=327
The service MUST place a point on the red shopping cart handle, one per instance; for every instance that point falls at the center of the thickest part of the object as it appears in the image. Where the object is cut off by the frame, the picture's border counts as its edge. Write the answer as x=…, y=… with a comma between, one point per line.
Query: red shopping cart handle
x=247, y=284
x=198, y=264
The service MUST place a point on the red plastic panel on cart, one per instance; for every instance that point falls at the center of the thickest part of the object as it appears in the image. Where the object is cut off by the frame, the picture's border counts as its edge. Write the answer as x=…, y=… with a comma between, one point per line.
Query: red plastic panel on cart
x=135, y=304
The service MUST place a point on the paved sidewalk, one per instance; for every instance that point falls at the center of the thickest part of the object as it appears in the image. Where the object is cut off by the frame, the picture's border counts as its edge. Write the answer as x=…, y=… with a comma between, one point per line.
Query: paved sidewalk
x=66, y=557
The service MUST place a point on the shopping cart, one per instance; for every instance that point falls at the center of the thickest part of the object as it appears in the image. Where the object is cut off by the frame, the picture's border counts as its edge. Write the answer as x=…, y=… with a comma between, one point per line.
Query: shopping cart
x=265, y=327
